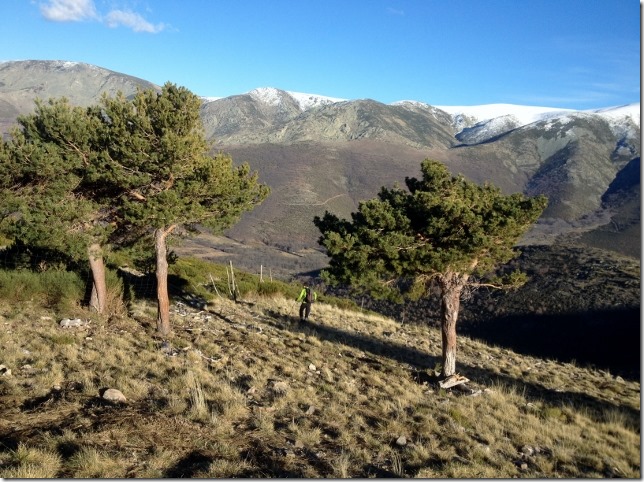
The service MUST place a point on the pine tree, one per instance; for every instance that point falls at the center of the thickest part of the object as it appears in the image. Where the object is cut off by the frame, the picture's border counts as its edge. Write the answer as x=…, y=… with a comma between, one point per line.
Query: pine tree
x=442, y=229
x=122, y=172
x=158, y=170
x=44, y=201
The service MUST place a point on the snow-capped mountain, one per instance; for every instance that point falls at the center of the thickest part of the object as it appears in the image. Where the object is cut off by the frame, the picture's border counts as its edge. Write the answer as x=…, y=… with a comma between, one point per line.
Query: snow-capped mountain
x=523, y=114
x=473, y=124
x=273, y=96
x=520, y=115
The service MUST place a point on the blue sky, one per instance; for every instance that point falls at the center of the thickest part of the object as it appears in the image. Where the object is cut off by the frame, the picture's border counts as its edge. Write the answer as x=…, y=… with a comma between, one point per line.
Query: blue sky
x=578, y=54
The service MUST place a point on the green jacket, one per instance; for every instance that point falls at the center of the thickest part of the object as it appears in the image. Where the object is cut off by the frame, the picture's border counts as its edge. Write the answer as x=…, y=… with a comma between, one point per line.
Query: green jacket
x=302, y=296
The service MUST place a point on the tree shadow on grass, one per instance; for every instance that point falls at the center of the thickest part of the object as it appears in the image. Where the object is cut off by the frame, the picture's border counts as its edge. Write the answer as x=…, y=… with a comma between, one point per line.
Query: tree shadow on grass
x=144, y=286
x=190, y=465
x=421, y=361
x=395, y=351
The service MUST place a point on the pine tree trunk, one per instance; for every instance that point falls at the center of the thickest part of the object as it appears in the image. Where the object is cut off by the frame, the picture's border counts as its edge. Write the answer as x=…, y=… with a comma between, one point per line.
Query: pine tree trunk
x=98, y=298
x=163, y=300
x=451, y=288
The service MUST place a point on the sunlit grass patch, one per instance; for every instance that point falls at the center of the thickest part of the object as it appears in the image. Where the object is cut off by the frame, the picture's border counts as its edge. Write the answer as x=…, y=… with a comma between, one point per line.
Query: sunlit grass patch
x=31, y=463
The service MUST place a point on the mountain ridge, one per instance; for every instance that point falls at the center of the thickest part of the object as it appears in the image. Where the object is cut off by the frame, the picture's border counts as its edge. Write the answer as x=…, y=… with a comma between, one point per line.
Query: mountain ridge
x=321, y=153
x=524, y=114
x=494, y=119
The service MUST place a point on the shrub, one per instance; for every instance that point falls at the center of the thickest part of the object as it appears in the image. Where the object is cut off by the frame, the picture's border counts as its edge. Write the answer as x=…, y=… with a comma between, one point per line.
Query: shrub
x=55, y=289
x=271, y=288
x=342, y=303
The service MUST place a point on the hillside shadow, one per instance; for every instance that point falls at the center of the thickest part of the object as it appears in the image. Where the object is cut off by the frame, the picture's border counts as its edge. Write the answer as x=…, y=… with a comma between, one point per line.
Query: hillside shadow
x=421, y=361
x=605, y=339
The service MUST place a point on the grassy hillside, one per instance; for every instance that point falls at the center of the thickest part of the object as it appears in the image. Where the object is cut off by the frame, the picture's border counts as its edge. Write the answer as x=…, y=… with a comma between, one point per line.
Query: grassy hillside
x=244, y=390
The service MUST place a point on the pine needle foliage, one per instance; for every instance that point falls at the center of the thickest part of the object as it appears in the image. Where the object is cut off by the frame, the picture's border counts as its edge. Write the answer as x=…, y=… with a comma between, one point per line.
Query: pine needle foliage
x=158, y=163
x=45, y=201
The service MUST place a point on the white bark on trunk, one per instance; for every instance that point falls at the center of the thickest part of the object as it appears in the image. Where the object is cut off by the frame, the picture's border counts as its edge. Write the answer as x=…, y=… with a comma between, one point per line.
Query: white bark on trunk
x=451, y=288
x=98, y=298
x=163, y=300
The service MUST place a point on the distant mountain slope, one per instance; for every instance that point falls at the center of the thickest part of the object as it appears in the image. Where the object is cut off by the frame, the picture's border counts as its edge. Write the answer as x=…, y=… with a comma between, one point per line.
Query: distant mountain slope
x=83, y=84
x=276, y=116
x=321, y=153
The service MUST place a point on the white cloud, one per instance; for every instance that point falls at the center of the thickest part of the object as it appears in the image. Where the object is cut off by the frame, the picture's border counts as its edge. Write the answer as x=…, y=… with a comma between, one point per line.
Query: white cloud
x=83, y=10
x=136, y=22
x=68, y=10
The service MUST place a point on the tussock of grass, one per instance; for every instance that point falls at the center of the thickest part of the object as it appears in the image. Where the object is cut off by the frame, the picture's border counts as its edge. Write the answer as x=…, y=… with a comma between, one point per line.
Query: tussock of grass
x=250, y=392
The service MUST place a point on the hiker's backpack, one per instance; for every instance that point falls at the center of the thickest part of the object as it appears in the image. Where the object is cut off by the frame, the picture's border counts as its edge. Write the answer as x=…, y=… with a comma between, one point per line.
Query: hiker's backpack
x=309, y=296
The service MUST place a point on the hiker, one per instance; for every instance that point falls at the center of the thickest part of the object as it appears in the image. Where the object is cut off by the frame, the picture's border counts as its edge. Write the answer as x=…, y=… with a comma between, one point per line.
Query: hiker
x=307, y=296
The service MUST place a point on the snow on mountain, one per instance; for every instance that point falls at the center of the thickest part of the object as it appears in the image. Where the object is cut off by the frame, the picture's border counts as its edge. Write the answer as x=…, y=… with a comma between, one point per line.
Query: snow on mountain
x=412, y=103
x=620, y=112
x=523, y=114
x=267, y=95
x=272, y=96
x=308, y=101
x=479, y=122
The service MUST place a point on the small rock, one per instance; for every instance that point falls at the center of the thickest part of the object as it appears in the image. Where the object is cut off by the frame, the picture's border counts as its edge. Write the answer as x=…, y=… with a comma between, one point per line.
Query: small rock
x=311, y=410
x=299, y=444
x=68, y=323
x=402, y=441
x=114, y=395
x=527, y=450
x=524, y=466
x=312, y=367
x=279, y=387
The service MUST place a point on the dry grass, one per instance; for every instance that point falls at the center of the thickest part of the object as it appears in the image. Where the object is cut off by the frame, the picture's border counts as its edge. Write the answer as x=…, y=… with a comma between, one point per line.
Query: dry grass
x=246, y=391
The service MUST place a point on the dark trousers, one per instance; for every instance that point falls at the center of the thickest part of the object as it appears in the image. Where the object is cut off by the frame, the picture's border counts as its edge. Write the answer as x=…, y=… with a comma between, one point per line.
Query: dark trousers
x=305, y=310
